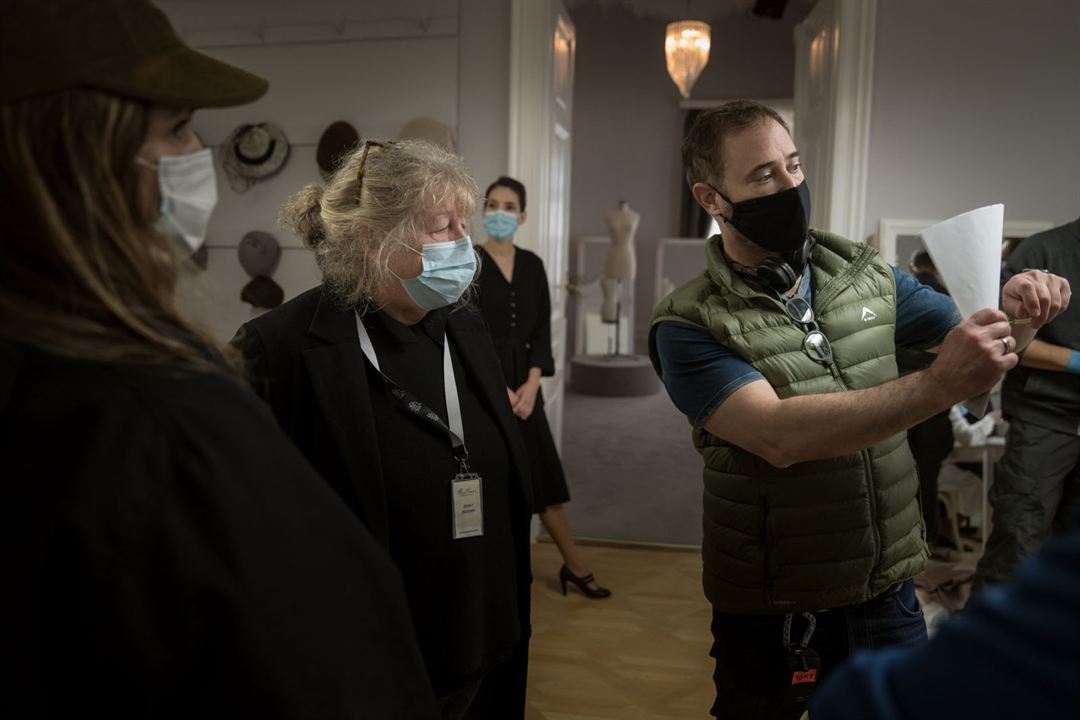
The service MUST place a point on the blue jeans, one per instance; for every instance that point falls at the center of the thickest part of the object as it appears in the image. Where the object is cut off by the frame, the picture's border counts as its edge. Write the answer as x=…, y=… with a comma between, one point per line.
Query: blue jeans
x=751, y=660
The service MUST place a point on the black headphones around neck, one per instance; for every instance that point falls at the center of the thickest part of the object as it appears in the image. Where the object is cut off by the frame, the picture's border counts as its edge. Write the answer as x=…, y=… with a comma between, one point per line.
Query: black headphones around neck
x=780, y=273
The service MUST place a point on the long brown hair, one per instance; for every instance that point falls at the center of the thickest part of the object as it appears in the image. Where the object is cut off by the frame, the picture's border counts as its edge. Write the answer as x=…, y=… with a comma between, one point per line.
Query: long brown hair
x=83, y=273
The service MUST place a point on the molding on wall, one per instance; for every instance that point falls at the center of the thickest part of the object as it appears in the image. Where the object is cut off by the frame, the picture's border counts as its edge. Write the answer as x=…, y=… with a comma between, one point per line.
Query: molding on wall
x=889, y=229
x=851, y=132
x=321, y=32
x=529, y=83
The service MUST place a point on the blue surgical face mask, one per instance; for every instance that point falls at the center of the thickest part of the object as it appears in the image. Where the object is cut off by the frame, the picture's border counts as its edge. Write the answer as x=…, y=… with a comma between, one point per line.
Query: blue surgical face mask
x=188, y=194
x=449, y=268
x=500, y=225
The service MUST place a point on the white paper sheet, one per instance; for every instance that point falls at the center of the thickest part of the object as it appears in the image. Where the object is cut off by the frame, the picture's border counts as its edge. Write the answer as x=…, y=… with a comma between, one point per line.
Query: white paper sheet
x=967, y=252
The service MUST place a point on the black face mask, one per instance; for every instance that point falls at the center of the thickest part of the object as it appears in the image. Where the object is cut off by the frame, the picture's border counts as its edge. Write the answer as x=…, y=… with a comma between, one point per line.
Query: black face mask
x=779, y=222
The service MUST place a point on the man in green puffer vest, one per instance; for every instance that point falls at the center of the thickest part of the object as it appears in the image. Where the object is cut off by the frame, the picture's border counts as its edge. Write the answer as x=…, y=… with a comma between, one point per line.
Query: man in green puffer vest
x=782, y=355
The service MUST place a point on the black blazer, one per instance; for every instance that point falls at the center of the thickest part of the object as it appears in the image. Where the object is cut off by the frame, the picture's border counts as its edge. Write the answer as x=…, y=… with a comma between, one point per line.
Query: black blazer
x=168, y=553
x=304, y=359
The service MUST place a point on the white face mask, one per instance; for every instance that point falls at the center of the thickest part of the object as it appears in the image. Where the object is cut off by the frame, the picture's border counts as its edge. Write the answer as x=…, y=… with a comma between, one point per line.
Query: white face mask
x=188, y=194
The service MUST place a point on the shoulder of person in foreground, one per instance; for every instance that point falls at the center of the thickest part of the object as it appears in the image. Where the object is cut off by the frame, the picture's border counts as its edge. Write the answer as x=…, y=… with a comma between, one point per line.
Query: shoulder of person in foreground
x=285, y=321
x=273, y=341
x=178, y=556
x=1011, y=653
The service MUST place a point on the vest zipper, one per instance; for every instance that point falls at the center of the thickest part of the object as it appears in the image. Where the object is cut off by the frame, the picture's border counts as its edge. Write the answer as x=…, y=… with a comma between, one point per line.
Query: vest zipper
x=872, y=498
x=868, y=471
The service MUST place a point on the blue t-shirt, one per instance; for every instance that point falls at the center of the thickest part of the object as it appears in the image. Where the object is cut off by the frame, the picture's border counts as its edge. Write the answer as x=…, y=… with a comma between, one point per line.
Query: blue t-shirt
x=700, y=373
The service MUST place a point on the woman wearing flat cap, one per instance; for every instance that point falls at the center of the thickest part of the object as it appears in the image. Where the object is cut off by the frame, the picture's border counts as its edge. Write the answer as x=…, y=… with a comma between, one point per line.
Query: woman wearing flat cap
x=167, y=551
x=387, y=379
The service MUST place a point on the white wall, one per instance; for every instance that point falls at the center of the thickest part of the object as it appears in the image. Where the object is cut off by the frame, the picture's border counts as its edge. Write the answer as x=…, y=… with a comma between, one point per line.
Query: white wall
x=437, y=58
x=484, y=91
x=628, y=125
x=975, y=102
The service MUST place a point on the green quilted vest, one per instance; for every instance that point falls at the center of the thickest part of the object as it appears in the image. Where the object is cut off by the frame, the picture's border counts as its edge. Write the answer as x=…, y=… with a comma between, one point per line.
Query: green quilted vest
x=817, y=534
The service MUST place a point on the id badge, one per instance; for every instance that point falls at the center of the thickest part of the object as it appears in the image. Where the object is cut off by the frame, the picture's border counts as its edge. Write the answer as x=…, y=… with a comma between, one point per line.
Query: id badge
x=467, y=498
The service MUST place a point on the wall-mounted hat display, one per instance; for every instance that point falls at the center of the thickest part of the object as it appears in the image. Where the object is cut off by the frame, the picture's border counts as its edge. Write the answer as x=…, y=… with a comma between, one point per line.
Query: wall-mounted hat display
x=259, y=254
x=201, y=257
x=252, y=153
x=425, y=128
x=336, y=142
x=262, y=292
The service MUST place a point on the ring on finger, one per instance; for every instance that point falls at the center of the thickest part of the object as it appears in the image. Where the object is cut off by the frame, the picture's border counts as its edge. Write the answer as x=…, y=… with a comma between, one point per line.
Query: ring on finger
x=1006, y=342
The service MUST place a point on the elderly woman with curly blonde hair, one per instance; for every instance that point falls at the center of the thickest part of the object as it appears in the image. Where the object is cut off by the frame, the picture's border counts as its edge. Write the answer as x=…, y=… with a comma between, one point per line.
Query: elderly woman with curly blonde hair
x=390, y=385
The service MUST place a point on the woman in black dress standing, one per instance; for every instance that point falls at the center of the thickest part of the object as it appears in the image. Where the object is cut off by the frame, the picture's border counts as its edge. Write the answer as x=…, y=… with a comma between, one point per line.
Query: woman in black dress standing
x=513, y=295
x=389, y=384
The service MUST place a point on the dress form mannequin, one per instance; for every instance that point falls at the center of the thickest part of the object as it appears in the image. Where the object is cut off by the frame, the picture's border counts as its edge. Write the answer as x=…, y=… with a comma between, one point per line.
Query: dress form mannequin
x=609, y=309
x=616, y=374
x=622, y=223
x=621, y=265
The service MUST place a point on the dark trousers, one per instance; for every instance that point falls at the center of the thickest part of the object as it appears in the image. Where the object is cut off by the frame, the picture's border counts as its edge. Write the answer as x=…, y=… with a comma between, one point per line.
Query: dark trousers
x=931, y=441
x=751, y=660
x=1036, y=486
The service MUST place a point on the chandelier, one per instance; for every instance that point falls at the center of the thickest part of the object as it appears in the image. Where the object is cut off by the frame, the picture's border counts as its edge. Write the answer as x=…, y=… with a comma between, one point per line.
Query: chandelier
x=686, y=48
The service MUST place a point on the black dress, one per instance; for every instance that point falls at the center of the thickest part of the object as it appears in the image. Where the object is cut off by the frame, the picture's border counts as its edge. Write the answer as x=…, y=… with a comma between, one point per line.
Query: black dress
x=471, y=580
x=518, y=314
x=469, y=599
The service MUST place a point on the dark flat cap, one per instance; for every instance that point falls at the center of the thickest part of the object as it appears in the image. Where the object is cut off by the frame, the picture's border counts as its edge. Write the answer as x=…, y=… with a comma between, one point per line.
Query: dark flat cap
x=337, y=141
x=126, y=47
x=259, y=253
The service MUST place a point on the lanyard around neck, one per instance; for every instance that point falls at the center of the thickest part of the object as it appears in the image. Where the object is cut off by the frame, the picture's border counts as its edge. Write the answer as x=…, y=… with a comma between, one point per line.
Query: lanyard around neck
x=456, y=428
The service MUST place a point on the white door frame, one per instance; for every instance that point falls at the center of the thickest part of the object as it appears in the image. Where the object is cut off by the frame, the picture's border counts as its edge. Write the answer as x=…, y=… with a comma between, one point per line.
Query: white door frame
x=542, y=48
x=851, y=36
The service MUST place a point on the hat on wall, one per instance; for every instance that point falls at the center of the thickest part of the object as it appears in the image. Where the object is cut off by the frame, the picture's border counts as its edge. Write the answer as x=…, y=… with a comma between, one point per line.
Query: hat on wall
x=262, y=292
x=201, y=257
x=425, y=128
x=336, y=142
x=251, y=153
x=126, y=47
x=259, y=253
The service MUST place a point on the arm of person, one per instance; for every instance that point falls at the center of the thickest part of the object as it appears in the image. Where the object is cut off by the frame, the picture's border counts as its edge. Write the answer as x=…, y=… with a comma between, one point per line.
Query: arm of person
x=540, y=356
x=923, y=316
x=1042, y=355
x=699, y=373
x=812, y=427
x=1036, y=296
x=1012, y=653
x=526, y=394
x=541, y=361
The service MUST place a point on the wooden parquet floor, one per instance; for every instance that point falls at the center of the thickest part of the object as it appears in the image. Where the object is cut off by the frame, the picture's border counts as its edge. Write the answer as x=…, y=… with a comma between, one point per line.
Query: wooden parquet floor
x=641, y=654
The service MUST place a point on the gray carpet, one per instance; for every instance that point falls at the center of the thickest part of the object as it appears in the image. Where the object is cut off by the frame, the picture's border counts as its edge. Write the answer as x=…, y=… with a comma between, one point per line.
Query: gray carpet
x=633, y=473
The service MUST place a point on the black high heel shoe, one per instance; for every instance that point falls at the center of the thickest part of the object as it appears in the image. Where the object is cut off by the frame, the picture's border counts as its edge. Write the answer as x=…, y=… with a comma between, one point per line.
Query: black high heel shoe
x=582, y=583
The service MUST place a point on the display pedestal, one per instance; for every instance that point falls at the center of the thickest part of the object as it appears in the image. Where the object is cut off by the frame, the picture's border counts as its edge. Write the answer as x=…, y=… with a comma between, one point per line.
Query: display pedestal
x=613, y=376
